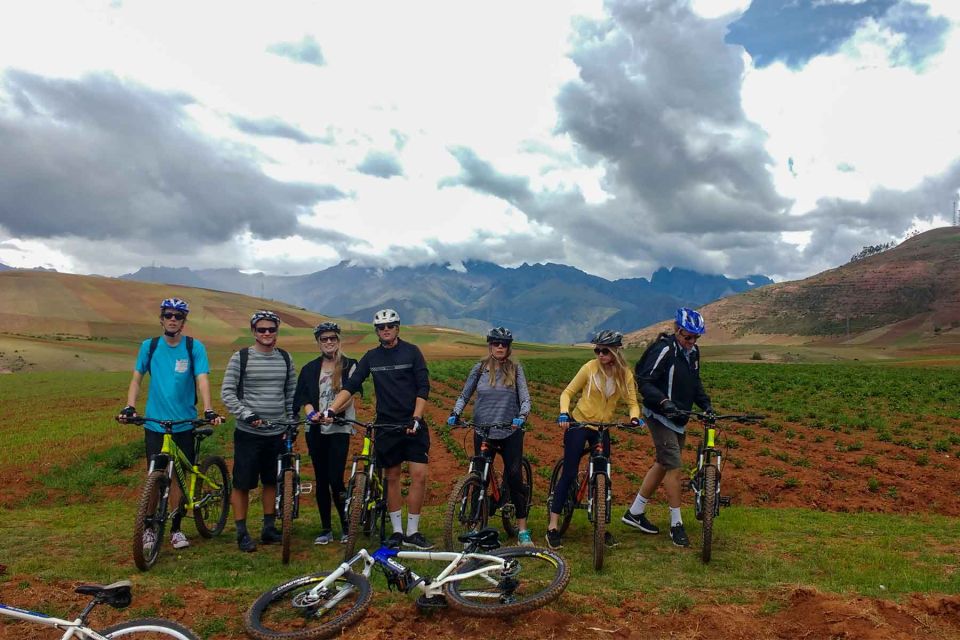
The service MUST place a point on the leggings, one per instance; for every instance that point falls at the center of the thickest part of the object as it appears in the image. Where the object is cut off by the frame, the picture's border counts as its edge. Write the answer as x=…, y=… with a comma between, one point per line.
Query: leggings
x=573, y=441
x=511, y=450
x=328, y=453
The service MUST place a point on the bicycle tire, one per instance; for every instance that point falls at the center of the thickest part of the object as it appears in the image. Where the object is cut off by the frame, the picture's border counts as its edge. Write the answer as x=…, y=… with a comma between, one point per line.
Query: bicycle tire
x=509, y=518
x=377, y=511
x=356, y=509
x=566, y=513
x=151, y=516
x=542, y=577
x=293, y=618
x=599, y=519
x=149, y=629
x=210, y=516
x=709, y=509
x=286, y=505
x=467, y=510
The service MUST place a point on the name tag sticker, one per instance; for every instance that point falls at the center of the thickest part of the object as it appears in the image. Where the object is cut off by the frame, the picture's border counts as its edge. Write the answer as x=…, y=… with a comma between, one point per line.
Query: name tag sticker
x=182, y=366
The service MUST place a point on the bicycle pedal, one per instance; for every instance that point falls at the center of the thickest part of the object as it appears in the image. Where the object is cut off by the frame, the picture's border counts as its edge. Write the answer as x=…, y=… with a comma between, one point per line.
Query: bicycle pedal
x=306, y=487
x=431, y=604
x=724, y=501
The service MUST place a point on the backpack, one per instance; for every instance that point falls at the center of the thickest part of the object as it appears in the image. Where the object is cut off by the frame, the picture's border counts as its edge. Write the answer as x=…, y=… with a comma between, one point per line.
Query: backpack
x=189, y=342
x=245, y=355
x=646, y=352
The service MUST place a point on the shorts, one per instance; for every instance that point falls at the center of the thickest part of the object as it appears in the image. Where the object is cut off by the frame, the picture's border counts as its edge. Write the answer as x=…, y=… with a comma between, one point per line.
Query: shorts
x=153, y=440
x=668, y=443
x=395, y=447
x=255, y=459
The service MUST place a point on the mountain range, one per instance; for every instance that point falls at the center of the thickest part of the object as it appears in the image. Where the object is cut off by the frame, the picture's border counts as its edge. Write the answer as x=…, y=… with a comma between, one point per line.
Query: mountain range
x=550, y=303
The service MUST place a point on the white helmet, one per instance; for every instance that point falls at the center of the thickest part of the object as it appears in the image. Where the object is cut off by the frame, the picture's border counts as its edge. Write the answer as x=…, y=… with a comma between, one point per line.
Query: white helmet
x=386, y=316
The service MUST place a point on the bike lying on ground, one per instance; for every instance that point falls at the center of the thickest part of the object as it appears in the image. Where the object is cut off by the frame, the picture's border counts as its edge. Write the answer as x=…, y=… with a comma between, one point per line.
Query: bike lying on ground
x=204, y=489
x=117, y=595
x=483, y=580
x=289, y=487
x=591, y=489
x=705, y=479
x=483, y=490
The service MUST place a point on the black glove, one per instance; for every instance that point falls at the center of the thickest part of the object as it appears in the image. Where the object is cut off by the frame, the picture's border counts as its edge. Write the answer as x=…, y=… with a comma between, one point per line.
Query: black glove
x=635, y=422
x=669, y=410
x=416, y=424
x=210, y=415
x=128, y=411
x=708, y=409
x=250, y=419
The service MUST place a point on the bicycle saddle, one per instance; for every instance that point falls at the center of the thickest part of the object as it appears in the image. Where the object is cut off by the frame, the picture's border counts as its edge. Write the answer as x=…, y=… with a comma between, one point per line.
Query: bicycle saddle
x=485, y=539
x=116, y=595
x=203, y=432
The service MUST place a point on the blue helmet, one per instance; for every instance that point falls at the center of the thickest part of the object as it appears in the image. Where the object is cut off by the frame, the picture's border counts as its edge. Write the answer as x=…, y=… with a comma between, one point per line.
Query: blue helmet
x=691, y=321
x=176, y=304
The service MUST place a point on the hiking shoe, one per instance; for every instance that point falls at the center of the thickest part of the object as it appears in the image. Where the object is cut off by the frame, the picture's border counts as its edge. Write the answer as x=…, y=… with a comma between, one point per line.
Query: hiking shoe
x=270, y=535
x=178, y=540
x=554, y=541
x=324, y=538
x=524, y=538
x=149, y=539
x=395, y=541
x=679, y=536
x=609, y=540
x=417, y=541
x=639, y=522
x=246, y=543
x=344, y=539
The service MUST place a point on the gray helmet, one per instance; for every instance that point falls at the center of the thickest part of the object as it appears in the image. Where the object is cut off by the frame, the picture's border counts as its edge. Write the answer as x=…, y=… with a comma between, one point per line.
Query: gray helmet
x=607, y=338
x=263, y=314
x=324, y=327
x=500, y=334
x=386, y=316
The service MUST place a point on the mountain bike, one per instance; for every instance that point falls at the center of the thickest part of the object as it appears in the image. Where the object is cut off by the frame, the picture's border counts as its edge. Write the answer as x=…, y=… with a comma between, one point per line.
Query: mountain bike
x=365, y=505
x=204, y=489
x=591, y=489
x=289, y=487
x=705, y=478
x=118, y=596
x=483, y=490
x=482, y=580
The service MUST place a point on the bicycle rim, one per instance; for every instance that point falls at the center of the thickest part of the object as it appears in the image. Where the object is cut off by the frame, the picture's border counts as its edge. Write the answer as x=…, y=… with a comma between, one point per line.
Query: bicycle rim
x=149, y=629
x=151, y=519
x=709, y=509
x=212, y=497
x=355, y=511
x=534, y=578
x=599, y=519
x=466, y=510
x=286, y=504
x=290, y=612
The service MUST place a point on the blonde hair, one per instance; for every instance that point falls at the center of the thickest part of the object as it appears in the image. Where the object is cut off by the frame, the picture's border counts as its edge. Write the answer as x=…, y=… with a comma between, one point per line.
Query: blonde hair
x=506, y=365
x=337, y=367
x=620, y=371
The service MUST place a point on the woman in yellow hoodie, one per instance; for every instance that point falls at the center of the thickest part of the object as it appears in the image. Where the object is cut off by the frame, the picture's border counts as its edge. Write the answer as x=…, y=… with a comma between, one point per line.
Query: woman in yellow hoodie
x=602, y=383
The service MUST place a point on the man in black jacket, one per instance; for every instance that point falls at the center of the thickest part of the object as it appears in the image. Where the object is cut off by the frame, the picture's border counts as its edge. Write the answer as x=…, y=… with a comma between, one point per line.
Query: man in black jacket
x=668, y=376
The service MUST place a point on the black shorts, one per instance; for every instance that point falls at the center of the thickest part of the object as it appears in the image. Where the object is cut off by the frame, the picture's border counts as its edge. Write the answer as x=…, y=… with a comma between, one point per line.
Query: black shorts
x=669, y=444
x=394, y=447
x=153, y=440
x=255, y=459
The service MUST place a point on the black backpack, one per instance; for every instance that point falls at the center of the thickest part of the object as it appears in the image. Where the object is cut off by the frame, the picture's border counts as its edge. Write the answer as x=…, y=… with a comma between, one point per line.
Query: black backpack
x=646, y=352
x=189, y=342
x=245, y=355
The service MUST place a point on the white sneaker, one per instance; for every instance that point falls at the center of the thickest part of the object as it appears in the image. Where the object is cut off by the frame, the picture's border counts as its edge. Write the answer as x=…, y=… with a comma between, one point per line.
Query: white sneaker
x=179, y=541
x=149, y=539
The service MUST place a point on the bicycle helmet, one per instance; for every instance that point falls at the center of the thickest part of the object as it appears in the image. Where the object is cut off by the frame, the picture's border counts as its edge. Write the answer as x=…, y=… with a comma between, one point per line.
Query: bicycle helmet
x=263, y=314
x=691, y=321
x=325, y=327
x=176, y=304
x=607, y=338
x=500, y=334
x=386, y=316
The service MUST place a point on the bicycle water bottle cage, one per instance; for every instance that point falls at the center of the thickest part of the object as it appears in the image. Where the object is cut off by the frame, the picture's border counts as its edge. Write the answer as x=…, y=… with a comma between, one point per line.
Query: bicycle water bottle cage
x=117, y=595
x=484, y=540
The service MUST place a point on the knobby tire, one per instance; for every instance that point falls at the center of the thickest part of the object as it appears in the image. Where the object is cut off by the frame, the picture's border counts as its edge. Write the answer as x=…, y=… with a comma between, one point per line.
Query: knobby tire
x=599, y=519
x=152, y=515
x=709, y=509
x=509, y=519
x=355, y=513
x=566, y=513
x=148, y=629
x=210, y=515
x=467, y=510
x=286, y=504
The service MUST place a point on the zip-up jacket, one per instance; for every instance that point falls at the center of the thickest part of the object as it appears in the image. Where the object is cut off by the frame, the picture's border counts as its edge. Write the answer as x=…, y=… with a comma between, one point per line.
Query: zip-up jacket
x=665, y=372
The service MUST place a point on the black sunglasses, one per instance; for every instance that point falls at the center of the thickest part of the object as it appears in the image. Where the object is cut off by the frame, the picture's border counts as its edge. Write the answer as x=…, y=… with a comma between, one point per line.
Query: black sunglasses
x=389, y=325
x=498, y=343
x=328, y=338
x=266, y=329
x=689, y=336
x=602, y=351
x=172, y=316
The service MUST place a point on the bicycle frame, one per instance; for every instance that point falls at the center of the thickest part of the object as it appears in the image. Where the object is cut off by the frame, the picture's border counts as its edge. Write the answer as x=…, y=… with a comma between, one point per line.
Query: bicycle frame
x=708, y=453
x=289, y=462
x=175, y=462
x=73, y=628
x=599, y=464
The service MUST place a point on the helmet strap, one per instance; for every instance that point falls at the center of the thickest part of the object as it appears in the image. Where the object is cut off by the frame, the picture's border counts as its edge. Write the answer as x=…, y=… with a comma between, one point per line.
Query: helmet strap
x=172, y=334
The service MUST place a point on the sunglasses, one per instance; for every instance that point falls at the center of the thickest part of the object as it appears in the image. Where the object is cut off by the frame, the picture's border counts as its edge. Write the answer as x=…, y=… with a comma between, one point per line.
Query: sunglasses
x=502, y=345
x=328, y=339
x=389, y=325
x=266, y=329
x=602, y=351
x=173, y=316
x=689, y=336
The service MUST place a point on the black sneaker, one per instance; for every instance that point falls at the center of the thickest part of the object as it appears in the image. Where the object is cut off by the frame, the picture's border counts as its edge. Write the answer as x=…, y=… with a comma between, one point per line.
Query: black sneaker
x=270, y=535
x=246, y=543
x=609, y=540
x=554, y=541
x=417, y=541
x=639, y=522
x=679, y=536
x=395, y=541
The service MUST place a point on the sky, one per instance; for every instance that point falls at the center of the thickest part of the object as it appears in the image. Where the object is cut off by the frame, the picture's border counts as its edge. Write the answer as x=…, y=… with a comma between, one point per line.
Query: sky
x=773, y=137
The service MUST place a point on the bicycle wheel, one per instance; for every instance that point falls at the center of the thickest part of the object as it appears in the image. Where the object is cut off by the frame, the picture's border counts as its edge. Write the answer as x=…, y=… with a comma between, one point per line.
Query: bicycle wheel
x=290, y=611
x=531, y=578
x=148, y=629
x=151, y=521
x=286, y=505
x=356, y=510
x=509, y=512
x=212, y=497
x=709, y=508
x=376, y=509
x=599, y=515
x=566, y=512
x=467, y=510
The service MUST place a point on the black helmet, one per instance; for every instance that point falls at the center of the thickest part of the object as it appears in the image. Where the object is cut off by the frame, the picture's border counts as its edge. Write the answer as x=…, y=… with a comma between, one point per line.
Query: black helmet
x=326, y=326
x=500, y=334
x=607, y=338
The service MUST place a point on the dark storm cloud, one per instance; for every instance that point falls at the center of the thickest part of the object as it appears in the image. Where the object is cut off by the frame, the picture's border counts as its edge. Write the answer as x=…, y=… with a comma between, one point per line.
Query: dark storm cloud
x=380, y=164
x=276, y=128
x=102, y=159
x=306, y=51
x=480, y=175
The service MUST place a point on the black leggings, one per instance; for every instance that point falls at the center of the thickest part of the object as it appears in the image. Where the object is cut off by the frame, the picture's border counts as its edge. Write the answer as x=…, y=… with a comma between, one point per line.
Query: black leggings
x=511, y=450
x=328, y=453
x=573, y=441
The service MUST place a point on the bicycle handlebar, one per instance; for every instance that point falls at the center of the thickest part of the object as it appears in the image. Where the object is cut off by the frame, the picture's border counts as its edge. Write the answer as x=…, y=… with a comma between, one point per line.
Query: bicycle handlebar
x=713, y=417
x=467, y=424
x=141, y=420
x=370, y=425
x=604, y=425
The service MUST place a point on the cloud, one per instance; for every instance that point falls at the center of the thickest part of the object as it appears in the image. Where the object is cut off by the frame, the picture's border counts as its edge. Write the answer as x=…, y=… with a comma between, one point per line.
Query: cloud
x=924, y=35
x=480, y=175
x=380, y=164
x=276, y=128
x=307, y=51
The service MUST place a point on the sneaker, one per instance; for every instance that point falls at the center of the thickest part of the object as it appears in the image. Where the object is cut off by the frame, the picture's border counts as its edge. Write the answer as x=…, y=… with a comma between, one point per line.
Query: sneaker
x=149, y=539
x=246, y=543
x=609, y=540
x=679, y=536
x=324, y=538
x=554, y=541
x=417, y=541
x=344, y=539
x=524, y=538
x=395, y=541
x=178, y=540
x=639, y=522
x=270, y=535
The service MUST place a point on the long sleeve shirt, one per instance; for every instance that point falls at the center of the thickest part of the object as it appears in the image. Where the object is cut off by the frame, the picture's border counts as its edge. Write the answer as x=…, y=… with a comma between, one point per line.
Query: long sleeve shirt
x=400, y=376
x=268, y=390
x=495, y=403
x=599, y=397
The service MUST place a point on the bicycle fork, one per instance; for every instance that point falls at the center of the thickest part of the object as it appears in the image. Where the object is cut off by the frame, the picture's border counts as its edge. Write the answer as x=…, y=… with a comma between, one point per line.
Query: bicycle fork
x=294, y=468
x=599, y=465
